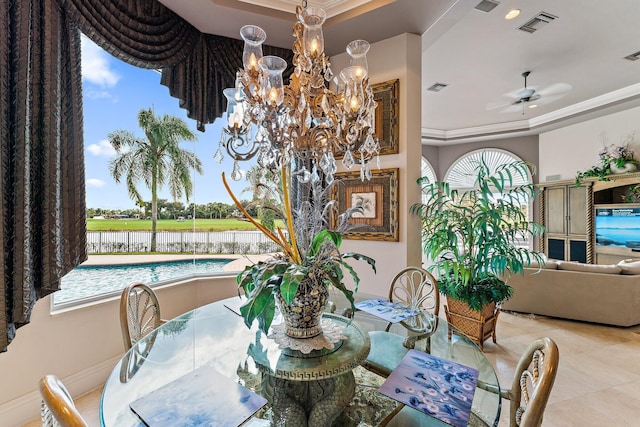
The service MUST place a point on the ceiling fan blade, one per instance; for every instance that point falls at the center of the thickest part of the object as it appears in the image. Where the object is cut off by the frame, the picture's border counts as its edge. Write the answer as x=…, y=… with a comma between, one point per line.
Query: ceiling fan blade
x=497, y=105
x=513, y=108
x=555, y=89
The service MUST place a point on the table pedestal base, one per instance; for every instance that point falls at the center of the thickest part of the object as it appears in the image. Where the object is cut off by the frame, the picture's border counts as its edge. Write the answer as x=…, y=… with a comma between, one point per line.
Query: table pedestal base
x=315, y=403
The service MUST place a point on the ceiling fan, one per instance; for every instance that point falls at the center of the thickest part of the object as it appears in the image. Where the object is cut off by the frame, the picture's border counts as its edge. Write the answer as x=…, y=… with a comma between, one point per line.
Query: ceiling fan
x=528, y=95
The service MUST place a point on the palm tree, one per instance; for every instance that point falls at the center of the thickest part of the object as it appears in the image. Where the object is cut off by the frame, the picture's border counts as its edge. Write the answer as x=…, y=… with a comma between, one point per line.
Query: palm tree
x=265, y=186
x=156, y=159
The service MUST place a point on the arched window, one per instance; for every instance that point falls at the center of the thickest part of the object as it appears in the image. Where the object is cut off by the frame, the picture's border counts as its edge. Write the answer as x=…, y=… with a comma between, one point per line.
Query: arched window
x=428, y=172
x=460, y=174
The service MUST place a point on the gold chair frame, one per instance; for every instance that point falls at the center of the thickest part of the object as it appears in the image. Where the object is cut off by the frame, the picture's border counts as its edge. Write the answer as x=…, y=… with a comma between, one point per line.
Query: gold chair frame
x=414, y=287
x=532, y=382
x=139, y=313
x=58, y=408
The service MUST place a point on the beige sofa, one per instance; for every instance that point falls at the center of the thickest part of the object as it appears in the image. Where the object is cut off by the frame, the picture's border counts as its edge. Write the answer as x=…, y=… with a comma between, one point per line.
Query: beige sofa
x=608, y=294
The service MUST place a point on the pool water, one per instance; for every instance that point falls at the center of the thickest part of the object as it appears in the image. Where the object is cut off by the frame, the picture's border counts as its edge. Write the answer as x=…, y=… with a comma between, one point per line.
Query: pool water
x=89, y=281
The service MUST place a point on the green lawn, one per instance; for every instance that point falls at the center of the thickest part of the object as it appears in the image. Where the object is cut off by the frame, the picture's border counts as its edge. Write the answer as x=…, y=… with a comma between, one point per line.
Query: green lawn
x=167, y=225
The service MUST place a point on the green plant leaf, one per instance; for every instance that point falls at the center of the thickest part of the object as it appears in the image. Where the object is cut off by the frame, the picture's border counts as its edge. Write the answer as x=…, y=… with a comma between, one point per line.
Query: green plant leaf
x=259, y=299
x=291, y=281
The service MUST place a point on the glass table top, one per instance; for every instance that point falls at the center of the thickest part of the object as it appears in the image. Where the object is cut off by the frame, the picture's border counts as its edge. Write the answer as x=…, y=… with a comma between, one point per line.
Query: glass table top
x=213, y=335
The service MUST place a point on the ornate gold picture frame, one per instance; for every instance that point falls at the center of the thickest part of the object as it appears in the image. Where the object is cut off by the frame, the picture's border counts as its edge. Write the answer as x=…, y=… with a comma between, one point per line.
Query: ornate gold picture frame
x=387, y=115
x=379, y=198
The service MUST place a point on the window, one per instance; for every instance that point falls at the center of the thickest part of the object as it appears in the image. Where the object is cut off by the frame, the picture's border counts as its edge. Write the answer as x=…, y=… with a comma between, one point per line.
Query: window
x=460, y=174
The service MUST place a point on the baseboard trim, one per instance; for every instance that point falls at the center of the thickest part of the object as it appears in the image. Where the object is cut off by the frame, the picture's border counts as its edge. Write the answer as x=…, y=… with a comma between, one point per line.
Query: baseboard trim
x=20, y=411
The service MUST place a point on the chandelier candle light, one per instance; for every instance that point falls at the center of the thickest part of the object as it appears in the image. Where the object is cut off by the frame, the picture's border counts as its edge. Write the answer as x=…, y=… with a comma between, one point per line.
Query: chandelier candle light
x=306, y=123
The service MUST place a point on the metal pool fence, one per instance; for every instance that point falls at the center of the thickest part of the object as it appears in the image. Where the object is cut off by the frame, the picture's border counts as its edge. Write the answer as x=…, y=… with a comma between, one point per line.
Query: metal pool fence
x=223, y=242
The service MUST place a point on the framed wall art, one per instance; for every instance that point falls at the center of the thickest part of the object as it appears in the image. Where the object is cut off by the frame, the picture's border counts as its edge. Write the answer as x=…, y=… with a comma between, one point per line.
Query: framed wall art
x=378, y=198
x=387, y=115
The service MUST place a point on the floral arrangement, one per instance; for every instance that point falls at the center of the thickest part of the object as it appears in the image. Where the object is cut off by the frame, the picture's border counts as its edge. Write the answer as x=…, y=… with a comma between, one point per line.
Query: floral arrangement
x=610, y=155
x=618, y=155
x=309, y=249
x=633, y=194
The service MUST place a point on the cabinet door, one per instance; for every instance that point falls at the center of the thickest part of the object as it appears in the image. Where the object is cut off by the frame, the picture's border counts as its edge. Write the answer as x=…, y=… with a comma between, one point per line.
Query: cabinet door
x=556, y=210
x=577, y=210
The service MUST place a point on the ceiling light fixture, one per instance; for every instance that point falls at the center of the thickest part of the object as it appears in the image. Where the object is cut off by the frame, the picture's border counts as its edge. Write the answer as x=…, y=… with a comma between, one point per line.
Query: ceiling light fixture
x=308, y=122
x=513, y=13
x=533, y=105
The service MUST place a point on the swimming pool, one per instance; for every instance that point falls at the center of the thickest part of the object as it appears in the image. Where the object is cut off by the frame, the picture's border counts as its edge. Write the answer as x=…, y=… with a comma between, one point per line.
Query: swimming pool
x=90, y=281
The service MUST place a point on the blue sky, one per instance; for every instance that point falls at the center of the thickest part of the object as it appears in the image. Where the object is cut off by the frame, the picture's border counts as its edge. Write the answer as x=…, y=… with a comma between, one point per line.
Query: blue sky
x=114, y=92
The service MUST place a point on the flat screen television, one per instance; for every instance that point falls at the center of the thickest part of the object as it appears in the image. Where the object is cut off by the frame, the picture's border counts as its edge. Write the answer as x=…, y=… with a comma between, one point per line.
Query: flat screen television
x=618, y=226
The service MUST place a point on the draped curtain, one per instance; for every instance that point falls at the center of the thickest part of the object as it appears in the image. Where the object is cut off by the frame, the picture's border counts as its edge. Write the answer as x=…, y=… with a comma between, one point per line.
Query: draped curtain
x=42, y=209
x=195, y=66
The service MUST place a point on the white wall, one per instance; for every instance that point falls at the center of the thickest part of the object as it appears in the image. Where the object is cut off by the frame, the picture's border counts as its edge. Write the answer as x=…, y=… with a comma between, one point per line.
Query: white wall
x=395, y=58
x=81, y=346
x=574, y=148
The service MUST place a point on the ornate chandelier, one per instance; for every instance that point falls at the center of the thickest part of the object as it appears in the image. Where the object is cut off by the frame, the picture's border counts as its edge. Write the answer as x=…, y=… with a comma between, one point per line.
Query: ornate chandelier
x=313, y=119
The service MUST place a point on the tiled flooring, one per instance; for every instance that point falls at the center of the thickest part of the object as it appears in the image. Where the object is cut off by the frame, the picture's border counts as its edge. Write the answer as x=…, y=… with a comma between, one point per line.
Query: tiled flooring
x=598, y=381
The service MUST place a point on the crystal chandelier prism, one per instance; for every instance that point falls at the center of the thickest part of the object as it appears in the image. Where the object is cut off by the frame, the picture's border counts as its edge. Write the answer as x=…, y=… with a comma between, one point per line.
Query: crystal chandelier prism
x=308, y=122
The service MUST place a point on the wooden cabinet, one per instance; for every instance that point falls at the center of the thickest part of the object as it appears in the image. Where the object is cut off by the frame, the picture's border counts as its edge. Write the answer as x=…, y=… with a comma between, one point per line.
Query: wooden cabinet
x=567, y=214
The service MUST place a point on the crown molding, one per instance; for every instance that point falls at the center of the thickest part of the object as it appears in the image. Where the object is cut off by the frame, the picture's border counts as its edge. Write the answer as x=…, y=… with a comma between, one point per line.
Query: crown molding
x=535, y=124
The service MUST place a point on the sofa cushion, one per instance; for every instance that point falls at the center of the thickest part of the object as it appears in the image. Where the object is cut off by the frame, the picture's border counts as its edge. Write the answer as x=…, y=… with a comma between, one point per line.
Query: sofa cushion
x=630, y=266
x=550, y=264
x=589, y=268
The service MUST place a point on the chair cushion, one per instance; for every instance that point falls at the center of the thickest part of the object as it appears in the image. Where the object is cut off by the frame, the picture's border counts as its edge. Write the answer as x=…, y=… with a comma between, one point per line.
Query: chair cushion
x=386, y=351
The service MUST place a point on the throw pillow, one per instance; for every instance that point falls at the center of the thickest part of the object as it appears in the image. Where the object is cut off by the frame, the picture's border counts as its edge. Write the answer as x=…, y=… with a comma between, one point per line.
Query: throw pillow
x=630, y=266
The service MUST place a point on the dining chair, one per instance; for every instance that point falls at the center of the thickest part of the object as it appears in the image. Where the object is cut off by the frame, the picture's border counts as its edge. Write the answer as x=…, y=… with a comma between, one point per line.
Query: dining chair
x=58, y=409
x=532, y=383
x=139, y=313
x=416, y=288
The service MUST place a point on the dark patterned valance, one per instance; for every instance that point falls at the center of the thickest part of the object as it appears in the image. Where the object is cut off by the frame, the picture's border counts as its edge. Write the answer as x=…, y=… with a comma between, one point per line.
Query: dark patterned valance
x=42, y=209
x=195, y=66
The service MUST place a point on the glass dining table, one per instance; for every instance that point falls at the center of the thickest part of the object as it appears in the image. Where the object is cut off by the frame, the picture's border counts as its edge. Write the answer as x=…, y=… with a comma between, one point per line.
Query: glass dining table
x=215, y=335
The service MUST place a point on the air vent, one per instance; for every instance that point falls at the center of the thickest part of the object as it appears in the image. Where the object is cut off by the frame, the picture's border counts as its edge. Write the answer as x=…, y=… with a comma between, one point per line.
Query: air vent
x=437, y=87
x=487, y=5
x=537, y=22
x=633, y=56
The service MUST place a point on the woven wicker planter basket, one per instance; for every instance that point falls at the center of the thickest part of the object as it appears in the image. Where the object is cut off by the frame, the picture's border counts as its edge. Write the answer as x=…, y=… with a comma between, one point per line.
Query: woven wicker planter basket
x=477, y=325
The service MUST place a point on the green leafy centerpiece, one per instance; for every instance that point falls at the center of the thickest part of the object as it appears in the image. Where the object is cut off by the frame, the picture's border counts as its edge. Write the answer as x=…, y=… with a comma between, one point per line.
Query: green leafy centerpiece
x=296, y=280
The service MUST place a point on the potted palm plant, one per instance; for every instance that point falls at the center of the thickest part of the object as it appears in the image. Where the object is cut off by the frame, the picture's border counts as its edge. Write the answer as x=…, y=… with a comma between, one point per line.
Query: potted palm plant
x=296, y=280
x=473, y=237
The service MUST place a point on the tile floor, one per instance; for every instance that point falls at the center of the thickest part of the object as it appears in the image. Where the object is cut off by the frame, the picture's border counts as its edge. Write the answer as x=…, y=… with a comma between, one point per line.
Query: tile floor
x=598, y=381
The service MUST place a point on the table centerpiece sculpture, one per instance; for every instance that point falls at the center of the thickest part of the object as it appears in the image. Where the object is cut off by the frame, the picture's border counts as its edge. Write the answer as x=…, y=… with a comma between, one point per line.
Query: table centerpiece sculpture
x=297, y=279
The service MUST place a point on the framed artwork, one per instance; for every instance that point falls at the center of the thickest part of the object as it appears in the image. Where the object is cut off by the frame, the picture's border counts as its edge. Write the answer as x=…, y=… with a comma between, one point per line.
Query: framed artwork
x=378, y=198
x=387, y=117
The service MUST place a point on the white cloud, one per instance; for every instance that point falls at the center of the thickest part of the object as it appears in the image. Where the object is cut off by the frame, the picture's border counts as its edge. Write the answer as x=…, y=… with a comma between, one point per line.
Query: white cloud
x=100, y=94
x=95, y=65
x=95, y=182
x=102, y=148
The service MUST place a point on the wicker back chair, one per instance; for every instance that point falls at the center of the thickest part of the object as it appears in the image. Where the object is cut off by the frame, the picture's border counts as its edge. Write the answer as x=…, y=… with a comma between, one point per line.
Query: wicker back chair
x=58, y=409
x=418, y=289
x=139, y=313
x=532, y=383
x=415, y=287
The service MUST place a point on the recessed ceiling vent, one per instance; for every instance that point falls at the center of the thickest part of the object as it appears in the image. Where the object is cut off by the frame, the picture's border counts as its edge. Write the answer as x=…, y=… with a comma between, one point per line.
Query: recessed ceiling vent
x=487, y=5
x=633, y=56
x=537, y=22
x=437, y=87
